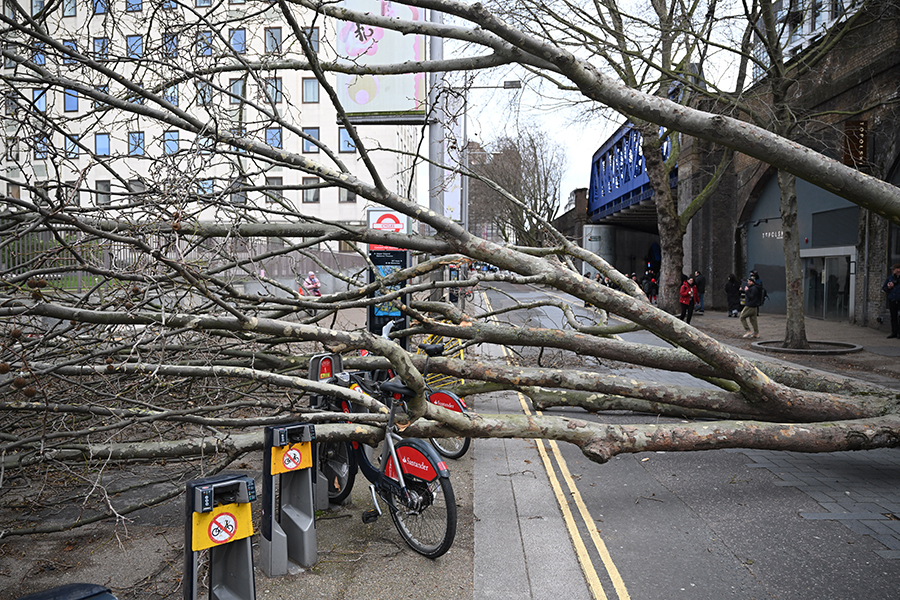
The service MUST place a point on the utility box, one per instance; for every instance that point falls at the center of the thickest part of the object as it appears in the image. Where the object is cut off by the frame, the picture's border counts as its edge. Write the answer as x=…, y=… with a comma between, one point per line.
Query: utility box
x=218, y=518
x=288, y=518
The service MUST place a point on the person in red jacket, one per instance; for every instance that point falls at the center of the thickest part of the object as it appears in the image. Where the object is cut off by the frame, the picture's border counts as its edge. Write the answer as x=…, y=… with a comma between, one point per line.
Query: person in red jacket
x=688, y=297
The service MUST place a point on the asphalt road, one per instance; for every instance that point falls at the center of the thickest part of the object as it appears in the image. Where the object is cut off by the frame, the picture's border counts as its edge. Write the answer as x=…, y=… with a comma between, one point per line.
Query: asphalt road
x=720, y=524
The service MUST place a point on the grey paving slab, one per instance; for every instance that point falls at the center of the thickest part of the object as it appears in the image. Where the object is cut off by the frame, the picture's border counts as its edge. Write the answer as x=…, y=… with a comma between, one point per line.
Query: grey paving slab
x=522, y=548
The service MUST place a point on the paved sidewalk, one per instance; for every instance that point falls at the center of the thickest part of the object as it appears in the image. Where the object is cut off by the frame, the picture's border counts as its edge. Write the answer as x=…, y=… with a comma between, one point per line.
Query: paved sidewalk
x=522, y=549
x=860, y=490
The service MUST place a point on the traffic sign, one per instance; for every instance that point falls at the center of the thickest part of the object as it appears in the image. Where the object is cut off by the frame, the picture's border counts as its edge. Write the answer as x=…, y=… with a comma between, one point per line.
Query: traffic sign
x=391, y=221
x=291, y=458
x=225, y=524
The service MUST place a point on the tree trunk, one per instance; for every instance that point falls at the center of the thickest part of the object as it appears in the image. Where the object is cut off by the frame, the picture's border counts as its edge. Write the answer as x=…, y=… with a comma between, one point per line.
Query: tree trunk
x=671, y=228
x=795, y=323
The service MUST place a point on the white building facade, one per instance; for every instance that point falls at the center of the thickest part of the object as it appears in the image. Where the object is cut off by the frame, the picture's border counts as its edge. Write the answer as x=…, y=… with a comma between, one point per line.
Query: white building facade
x=76, y=127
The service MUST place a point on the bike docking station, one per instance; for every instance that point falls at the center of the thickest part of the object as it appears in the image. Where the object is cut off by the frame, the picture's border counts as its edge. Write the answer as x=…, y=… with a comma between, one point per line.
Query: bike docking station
x=321, y=368
x=218, y=518
x=288, y=519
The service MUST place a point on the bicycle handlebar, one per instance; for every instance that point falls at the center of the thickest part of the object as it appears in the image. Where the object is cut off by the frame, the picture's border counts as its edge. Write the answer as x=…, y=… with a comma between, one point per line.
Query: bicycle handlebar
x=389, y=326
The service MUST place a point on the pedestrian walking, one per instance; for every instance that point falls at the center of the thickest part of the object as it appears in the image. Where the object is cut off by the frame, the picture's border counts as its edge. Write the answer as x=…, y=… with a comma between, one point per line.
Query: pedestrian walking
x=733, y=295
x=750, y=314
x=892, y=288
x=687, y=297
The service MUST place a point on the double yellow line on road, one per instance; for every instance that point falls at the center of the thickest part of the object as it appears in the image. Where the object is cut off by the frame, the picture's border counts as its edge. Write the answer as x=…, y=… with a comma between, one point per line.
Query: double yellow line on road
x=581, y=549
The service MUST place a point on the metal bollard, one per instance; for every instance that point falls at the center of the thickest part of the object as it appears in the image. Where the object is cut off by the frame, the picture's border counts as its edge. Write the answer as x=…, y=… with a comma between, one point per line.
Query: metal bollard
x=288, y=521
x=218, y=517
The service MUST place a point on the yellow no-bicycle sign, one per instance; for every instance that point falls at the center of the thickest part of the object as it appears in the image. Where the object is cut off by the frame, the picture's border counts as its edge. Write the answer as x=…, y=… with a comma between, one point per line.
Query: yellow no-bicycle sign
x=226, y=523
x=292, y=457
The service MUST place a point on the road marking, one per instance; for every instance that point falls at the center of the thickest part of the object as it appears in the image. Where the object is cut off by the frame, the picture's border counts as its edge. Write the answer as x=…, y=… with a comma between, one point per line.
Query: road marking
x=584, y=559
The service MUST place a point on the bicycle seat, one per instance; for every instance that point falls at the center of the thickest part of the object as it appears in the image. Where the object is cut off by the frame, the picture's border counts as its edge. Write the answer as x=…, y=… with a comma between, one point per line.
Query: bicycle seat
x=432, y=349
x=394, y=386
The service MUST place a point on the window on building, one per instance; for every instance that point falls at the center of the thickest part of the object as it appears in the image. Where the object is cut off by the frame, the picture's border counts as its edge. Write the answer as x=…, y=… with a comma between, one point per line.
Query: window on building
x=100, y=7
x=169, y=4
x=206, y=144
x=8, y=61
x=136, y=143
x=12, y=148
x=11, y=10
x=310, y=90
x=170, y=142
x=69, y=8
x=312, y=34
x=202, y=3
x=70, y=100
x=274, y=192
x=38, y=56
x=310, y=190
x=103, y=89
x=204, y=93
x=346, y=196
x=14, y=190
x=206, y=188
x=204, y=43
x=36, y=6
x=136, y=186
x=237, y=191
x=134, y=46
x=273, y=40
x=72, y=193
x=273, y=89
x=345, y=142
x=170, y=94
x=69, y=45
x=39, y=98
x=134, y=5
x=238, y=132
x=10, y=107
x=308, y=145
x=273, y=136
x=103, y=189
x=101, y=144
x=170, y=45
x=41, y=146
x=72, y=149
x=101, y=48
x=236, y=91
x=237, y=39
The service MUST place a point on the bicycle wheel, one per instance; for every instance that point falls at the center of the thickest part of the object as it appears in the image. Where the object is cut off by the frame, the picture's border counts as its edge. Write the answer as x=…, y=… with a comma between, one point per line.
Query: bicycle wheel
x=337, y=464
x=450, y=447
x=427, y=520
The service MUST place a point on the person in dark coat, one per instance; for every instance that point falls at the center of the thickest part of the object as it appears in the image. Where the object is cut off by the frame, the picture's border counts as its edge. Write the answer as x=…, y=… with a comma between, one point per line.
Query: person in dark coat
x=700, y=282
x=687, y=297
x=750, y=314
x=733, y=294
x=892, y=288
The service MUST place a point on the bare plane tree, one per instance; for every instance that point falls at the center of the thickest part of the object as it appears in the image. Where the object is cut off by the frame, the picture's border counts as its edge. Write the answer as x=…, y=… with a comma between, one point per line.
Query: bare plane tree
x=138, y=321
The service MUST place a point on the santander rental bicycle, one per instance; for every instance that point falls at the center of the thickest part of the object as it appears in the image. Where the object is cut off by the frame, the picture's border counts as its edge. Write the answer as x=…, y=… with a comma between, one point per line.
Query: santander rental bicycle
x=408, y=476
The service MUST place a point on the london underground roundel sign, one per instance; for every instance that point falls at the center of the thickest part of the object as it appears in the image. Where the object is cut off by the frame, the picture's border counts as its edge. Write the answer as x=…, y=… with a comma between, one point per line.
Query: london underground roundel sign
x=389, y=221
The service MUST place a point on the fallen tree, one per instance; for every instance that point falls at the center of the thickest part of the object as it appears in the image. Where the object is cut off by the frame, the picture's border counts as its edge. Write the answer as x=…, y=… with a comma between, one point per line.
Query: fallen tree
x=160, y=353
